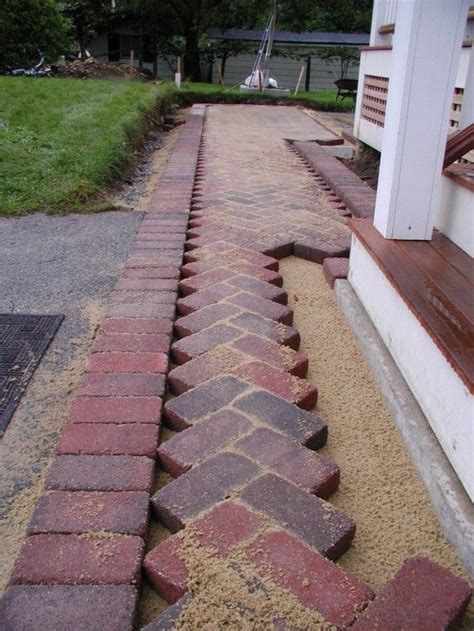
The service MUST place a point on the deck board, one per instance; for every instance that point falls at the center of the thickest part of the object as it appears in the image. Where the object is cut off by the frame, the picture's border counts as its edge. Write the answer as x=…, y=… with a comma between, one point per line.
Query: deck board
x=435, y=285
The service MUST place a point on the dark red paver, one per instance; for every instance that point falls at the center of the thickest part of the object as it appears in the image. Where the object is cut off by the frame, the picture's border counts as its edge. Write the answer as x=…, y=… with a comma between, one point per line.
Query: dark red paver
x=305, y=428
x=134, y=326
x=313, y=472
x=183, y=450
x=316, y=582
x=318, y=523
x=288, y=387
x=66, y=512
x=101, y=473
x=219, y=530
x=115, y=410
x=198, y=403
x=201, y=487
x=87, y=559
x=99, y=439
x=421, y=596
x=72, y=608
x=334, y=269
x=134, y=362
x=122, y=385
x=131, y=343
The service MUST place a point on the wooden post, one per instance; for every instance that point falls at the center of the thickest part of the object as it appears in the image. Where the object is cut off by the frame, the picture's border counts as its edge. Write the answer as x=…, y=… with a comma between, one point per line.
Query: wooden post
x=426, y=50
x=132, y=55
x=307, y=84
x=177, y=76
x=299, y=79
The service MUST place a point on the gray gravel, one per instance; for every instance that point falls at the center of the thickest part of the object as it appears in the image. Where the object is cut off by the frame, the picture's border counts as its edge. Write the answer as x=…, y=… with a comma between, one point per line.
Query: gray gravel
x=51, y=265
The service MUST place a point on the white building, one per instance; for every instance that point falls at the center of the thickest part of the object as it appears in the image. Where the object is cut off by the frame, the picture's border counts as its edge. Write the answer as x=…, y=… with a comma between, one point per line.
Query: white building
x=411, y=267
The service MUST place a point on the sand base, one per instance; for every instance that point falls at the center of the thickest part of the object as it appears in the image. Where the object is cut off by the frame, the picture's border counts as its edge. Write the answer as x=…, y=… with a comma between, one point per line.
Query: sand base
x=380, y=488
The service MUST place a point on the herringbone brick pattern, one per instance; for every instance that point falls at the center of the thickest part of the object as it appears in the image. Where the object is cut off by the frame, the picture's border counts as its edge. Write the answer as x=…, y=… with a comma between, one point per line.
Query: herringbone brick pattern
x=250, y=502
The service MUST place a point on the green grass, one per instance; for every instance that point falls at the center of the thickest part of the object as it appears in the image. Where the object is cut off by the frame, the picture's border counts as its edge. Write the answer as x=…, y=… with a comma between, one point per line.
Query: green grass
x=62, y=141
x=214, y=93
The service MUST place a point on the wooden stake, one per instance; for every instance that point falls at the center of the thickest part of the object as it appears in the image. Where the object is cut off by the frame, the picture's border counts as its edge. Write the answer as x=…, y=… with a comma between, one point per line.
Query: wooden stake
x=132, y=55
x=299, y=79
x=177, y=76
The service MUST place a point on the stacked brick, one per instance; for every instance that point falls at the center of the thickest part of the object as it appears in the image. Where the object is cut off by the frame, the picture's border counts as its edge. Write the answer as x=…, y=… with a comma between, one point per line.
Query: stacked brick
x=248, y=476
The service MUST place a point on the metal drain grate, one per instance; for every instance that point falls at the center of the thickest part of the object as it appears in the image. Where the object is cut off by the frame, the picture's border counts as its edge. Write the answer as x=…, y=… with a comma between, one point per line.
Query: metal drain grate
x=23, y=341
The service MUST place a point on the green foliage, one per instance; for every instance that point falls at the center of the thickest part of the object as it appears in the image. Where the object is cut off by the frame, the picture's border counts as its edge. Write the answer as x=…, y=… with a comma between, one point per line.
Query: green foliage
x=346, y=56
x=63, y=140
x=86, y=17
x=345, y=16
x=212, y=93
x=29, y=25
x=190, y=20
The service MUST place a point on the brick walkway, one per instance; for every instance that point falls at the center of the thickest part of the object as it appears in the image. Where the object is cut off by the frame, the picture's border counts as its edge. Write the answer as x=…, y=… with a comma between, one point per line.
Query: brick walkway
x=255, y=535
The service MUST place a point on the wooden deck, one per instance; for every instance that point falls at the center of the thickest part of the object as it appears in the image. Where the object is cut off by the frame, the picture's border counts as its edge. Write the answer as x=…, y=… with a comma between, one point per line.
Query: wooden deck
x=436, y=280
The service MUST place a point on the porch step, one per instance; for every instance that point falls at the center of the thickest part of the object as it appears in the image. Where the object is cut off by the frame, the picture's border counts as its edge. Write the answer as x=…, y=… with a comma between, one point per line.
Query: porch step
x=436, y=280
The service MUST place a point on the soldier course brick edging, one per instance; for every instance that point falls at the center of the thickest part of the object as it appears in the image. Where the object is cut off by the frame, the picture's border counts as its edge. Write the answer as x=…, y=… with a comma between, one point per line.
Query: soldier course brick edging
x=245, y=451
x=80, y=565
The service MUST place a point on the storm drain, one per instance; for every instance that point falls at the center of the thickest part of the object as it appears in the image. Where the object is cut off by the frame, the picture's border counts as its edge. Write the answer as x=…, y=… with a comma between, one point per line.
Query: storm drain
x=23, y=341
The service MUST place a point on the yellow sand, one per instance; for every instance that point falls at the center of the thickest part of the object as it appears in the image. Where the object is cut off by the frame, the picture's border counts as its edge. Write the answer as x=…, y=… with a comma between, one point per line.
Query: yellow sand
x=380, y=488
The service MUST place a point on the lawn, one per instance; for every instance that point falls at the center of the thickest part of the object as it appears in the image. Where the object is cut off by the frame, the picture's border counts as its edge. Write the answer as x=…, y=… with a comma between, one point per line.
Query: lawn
x=214, y=93
x=63, y=140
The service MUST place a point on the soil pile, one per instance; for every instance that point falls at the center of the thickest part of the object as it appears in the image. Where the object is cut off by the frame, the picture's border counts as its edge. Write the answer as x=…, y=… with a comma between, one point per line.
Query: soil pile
x=93, y=69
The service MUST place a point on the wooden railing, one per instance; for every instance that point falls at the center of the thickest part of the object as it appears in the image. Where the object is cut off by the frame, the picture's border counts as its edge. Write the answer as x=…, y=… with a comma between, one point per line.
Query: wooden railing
x=458, y=145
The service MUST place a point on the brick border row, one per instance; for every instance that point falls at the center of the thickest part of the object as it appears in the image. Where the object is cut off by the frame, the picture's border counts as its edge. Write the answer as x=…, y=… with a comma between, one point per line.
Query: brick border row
x=80, y=565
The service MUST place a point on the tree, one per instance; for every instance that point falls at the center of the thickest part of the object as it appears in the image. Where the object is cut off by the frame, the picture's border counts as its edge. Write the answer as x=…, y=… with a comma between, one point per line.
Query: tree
x=27, y=26
x=86, y=17
x=345, y=16
x=346, y=56
x=190, y=20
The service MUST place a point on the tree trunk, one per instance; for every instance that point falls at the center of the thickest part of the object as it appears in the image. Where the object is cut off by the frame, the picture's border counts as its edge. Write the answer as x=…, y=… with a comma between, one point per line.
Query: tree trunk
x=224, y=60
x=192, y=57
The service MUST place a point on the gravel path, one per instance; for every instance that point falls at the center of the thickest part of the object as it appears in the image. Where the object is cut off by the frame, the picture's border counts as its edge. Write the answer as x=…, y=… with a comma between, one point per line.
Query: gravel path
x=51, y=265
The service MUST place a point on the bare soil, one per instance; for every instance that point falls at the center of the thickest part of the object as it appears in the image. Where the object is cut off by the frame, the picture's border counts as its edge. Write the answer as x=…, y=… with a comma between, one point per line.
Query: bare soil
x=94, y=69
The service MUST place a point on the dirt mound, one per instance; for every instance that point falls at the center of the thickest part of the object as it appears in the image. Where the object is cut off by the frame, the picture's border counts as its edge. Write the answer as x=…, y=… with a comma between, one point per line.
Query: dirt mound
x=93, y=69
